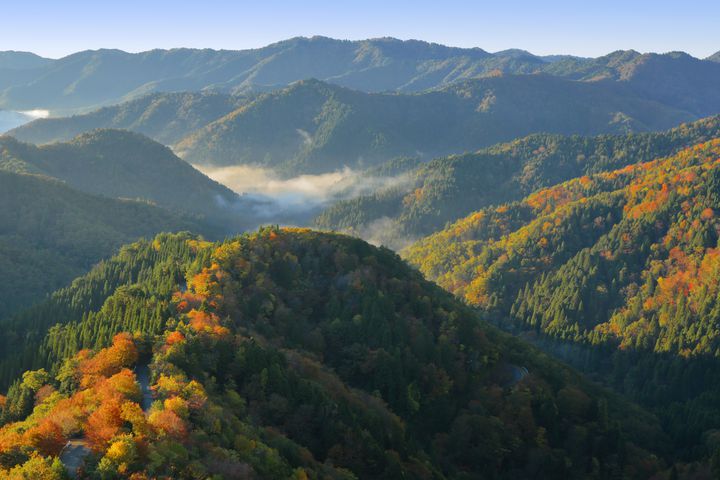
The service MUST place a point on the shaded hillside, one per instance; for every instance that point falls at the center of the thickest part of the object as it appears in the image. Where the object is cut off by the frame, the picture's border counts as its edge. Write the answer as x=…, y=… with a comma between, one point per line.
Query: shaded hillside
x=50, y=233
x=294, y=354
x=446, y=189
x=121, y=164
x=166, y=118
x=617, y=272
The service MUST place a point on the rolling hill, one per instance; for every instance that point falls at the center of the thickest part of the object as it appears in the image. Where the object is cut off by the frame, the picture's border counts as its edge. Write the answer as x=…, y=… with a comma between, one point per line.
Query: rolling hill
x=294, y=354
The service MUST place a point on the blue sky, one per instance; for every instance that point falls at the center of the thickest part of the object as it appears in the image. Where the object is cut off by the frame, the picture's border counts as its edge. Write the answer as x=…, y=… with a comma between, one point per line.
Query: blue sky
x=58, y=27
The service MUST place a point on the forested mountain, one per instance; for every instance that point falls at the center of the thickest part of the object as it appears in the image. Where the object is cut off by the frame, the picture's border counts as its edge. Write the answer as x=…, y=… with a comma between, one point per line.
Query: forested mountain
x=616, y=272
x=166, y=118
x=674, y=78
x=101, y=77
x=446, y=189
x=122, y=164
x=50, y=233
x=294, y=354
x=315, y=127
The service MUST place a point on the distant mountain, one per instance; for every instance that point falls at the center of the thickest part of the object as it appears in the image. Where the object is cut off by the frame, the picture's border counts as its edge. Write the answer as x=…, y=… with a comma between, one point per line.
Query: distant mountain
x=51, y=233
x=95, y=78
x=10, y=60
x=166, y=118
x=122, y=164
x=714, y=57
x=446, y=189
x=616, y=272
x=293, y=354
x=314, y=127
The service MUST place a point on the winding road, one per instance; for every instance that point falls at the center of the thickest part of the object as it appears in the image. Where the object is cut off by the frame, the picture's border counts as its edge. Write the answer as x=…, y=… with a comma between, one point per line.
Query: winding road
x=142, y=374
x=73, y=455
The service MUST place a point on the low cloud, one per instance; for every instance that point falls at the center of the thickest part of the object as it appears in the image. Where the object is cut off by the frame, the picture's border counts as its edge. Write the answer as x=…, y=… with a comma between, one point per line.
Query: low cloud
x=304, y=192
x=296, y=201
x=386, y=232
x=34, y=114
x=10, y=119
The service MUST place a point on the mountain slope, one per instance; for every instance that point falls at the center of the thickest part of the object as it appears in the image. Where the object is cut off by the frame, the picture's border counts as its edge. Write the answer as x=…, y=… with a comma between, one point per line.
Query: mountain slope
x=50, y=233
x=121, y=164
x=293, y=354
x=446, y=189
x=315, y=127
x=166, y=118
x=616, y=272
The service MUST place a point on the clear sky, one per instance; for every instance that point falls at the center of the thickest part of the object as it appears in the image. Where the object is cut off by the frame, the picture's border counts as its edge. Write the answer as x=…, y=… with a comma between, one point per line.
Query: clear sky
x=55, y=28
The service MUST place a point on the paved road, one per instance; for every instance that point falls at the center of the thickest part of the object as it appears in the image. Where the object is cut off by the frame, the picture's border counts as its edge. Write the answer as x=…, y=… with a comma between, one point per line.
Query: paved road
x=73, y=454
x=142, y=373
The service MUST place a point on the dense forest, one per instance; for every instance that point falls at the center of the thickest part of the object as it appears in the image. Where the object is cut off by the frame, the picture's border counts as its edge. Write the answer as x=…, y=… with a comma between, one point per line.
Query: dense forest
x=293, y=354
x=615, y=272
x=50, y=234
x=447, y=189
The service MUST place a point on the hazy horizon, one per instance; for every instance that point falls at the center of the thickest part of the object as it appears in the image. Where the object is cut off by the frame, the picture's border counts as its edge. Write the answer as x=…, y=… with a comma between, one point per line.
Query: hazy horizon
x=55, y=30
x=702, y=57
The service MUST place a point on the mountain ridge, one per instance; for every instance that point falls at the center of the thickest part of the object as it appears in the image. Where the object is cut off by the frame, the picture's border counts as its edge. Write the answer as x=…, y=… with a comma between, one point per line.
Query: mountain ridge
x=317, y=383
x=75, y=82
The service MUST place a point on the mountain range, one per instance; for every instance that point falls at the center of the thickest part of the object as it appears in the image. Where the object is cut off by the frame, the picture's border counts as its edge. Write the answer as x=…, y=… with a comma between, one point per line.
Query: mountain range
x=314, y=127
x=95, y=78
